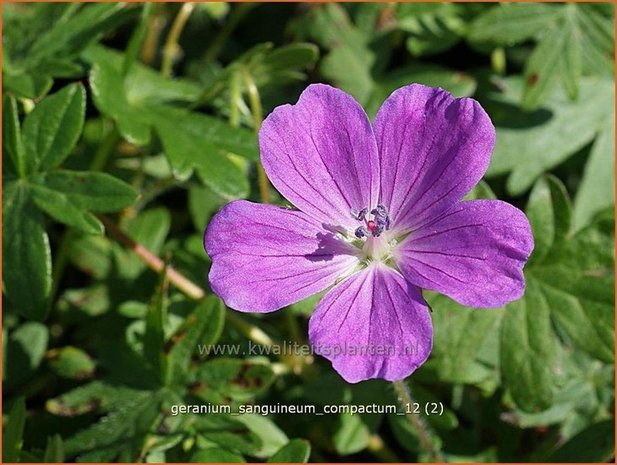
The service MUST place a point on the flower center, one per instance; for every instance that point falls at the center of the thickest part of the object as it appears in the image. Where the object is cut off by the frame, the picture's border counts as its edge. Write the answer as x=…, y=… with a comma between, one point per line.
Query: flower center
x=372, y=227
x=372, y=235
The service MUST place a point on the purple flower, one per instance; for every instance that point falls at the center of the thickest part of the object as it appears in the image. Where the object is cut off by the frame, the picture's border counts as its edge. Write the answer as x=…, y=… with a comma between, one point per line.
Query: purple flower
x=379, y=217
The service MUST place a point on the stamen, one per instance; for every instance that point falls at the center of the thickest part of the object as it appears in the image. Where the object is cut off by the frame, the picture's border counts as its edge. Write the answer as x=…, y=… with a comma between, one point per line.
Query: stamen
x=359, y=214
x=361, y=232
x=374, y=227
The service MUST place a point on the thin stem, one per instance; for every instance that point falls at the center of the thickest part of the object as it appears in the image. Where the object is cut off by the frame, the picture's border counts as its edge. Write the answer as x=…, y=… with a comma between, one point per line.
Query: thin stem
x=257, y=111
x=156, y=23
x=137, y=38
x=185, y=285
x=60, y=263
x=182, y=283
x=171, y=44
x=252, y=331
x=235, y=98
x=235, y=16
x=417, y=423
x=101, y=157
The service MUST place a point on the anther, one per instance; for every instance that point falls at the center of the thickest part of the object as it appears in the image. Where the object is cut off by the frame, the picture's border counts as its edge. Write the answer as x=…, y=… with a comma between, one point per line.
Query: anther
x=361, y=232
x=359, y=214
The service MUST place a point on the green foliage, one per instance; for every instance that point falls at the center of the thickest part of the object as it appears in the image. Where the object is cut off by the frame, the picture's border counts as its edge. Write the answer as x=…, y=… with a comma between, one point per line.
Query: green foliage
x=112, y=169
x=43, y=42
x=570, y=38
x=295, y=451
x=12, y=439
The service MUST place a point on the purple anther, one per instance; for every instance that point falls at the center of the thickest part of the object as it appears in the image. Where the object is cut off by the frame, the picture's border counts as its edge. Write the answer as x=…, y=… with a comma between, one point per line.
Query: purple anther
x=361, y=232
x=359, y=214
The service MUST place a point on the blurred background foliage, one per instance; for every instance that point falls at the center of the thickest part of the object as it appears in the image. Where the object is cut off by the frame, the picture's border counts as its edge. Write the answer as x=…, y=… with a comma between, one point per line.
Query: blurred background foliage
x=127, y=126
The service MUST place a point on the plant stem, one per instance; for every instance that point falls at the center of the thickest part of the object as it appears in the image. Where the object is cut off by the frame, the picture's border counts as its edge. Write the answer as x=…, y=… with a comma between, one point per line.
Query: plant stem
x=235, y=16
x=137, y=38
x=171, y=44
x=185, y=285
x=181, y=282
x=106, y=148
x=257, y=111
x=418, y=425
x=235, y=97
x=156, y=23
x=60, y=263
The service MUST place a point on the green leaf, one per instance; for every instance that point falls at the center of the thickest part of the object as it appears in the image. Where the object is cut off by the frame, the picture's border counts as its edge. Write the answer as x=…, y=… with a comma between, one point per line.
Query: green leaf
x=287, y=58
x=93, y=396
x=108, y=91
x=156, y=316
x=52, y=129
x=88, y=190
x=42, y=42
x=512, y=23
x=349, y=62
x=570, y=285
x=271, y=436
x=11, y=136
x=181, y=133
x=203, y=327
x=266, y=65
x=454, y=350
x=223, y=378
x=559, y=56
x=571, y=63
x=68, y=38
x=595, y=192
x=203, y=203
x=216, y=455
x=550, y=135
x=25, y=351
x=295, y=451
x=231, y=433
x=549, y=214
x=582, y=395
x=529, y=350
x=481, y=191
x=71, y=362
x=597, y=40
x=12, y=439
x=27, y=85
x=54, y=451
x=352, y=436
x=141, y=84
x=121, y=434
x=432, y=28
x=593, y=445
x=577, y=281
x=548, y=63
x=26, y=252
x=60, y=208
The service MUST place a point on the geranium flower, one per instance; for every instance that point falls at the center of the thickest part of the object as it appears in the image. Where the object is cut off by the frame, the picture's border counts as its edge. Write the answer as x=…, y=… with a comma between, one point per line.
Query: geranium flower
x=378, y=217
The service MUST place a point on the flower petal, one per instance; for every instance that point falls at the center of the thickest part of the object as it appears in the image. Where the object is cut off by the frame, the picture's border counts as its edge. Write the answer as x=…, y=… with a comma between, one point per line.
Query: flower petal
x=433, y=149
x=266, y=257
x=474, y=253
x=321, y=154
x=373, y=325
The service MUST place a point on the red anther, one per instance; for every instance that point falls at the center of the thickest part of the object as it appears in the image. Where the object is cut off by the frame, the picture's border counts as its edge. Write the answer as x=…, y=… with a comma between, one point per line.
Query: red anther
x=371, y=225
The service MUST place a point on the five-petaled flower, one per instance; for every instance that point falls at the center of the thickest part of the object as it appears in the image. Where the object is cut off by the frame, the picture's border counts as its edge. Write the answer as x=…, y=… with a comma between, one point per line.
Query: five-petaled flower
x=378, y=217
